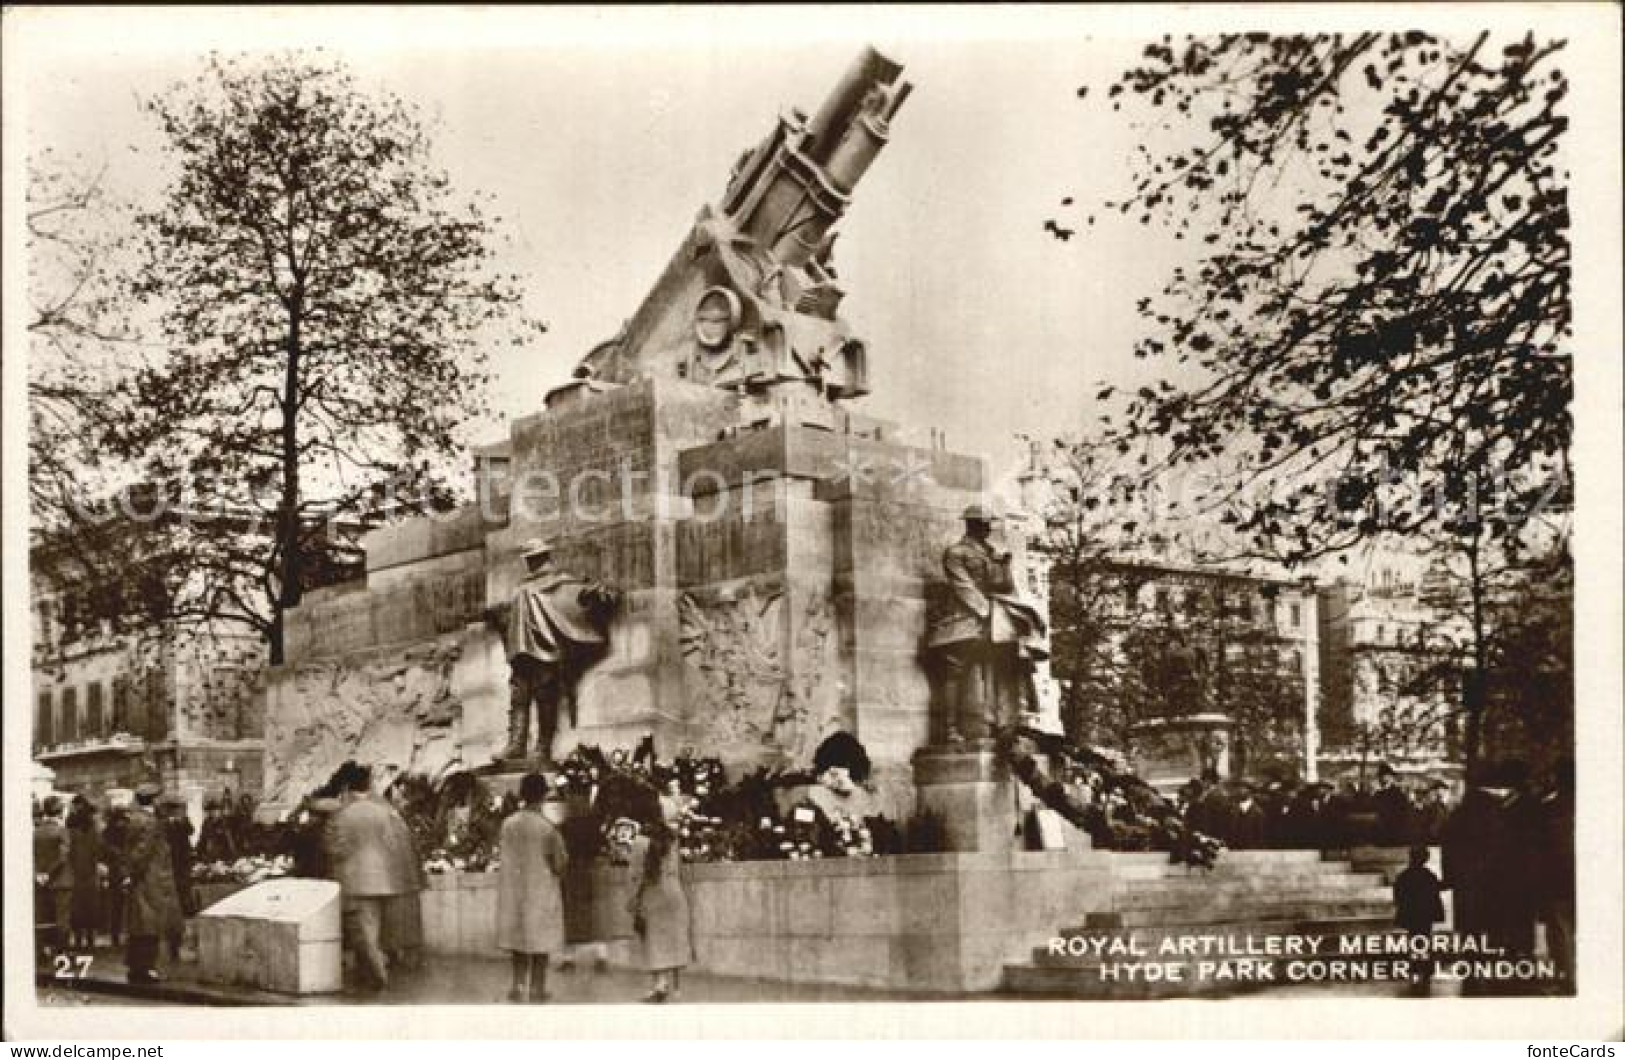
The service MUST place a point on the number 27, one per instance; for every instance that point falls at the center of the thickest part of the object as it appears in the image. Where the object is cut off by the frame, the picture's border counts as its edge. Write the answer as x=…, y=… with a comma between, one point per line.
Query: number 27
x=74, y=966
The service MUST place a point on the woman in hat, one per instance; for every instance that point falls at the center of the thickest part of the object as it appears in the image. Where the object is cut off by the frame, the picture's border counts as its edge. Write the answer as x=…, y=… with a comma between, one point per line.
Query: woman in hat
x=530, y=906
x=659, y=903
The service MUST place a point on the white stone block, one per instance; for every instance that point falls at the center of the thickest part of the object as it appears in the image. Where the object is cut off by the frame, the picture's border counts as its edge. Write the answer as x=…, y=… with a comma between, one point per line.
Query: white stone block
x=282, y=935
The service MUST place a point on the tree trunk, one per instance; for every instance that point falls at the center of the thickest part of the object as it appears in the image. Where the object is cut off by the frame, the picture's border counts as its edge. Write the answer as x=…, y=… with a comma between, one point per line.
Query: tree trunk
x=1475, y=694
x=288, y=592
x=273, y=638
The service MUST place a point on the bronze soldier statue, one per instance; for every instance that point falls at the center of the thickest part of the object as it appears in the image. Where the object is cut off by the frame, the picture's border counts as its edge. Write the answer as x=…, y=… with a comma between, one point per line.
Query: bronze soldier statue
x=986, y=639
x=557, y=625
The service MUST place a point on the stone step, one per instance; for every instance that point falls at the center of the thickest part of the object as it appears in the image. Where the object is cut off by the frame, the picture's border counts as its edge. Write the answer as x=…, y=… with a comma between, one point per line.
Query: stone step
x=1234, y=871
x=1227, y=897
x=1148, y=942
x=1133, y=857
x=1241, y=912
x=1151, y=938
x=1087, y=985
x=1193, y=890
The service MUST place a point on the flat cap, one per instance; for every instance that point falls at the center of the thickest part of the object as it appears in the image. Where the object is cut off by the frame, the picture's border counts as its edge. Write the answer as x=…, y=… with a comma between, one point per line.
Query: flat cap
x=980, y=513
x=536, y=546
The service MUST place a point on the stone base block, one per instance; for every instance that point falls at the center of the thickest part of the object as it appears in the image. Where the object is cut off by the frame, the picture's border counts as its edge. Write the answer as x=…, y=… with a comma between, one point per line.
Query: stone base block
x=972, y=792
x=282, y=935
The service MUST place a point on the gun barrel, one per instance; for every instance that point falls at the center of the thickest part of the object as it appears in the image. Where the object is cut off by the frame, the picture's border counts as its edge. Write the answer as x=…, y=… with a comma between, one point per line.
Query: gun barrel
x=825, y=131
x=795, y=187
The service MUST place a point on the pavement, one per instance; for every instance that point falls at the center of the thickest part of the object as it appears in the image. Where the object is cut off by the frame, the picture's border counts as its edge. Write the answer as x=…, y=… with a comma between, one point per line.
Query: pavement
x=446, y=980
x=454, y=980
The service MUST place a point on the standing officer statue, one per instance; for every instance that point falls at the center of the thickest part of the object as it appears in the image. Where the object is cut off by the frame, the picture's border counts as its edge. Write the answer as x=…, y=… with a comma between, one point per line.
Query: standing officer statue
x=986, y=638
x=557, y=625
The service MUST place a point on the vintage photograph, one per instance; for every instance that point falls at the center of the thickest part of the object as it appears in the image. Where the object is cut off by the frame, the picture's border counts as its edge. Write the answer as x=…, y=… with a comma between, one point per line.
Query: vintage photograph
x=568, y=508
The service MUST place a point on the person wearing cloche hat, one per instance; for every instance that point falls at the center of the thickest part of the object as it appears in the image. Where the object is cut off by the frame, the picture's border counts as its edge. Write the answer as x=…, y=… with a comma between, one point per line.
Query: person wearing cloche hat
x=659, y=904
x=52, y=875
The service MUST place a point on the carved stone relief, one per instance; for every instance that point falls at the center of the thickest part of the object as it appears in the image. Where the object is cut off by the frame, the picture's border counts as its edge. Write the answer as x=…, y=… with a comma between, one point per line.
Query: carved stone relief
x=398, y=713
x=743, y=693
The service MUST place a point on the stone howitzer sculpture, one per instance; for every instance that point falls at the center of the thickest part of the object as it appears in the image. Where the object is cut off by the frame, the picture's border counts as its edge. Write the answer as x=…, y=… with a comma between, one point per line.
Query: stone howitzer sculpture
x=749, y=301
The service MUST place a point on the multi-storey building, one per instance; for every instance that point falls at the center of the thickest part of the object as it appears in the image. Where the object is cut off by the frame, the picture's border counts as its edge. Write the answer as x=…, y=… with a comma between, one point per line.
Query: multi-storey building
x=1148, y=642
x=115, y=707
x=1390, y=654
x=123, y=696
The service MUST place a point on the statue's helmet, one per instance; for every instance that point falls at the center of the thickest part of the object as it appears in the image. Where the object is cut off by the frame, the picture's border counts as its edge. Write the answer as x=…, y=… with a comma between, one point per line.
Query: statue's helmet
x=536, y=546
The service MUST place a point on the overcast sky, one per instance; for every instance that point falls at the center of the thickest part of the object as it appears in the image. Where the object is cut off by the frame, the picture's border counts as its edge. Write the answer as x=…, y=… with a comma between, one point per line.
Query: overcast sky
x=600, y=136
x=600, y=133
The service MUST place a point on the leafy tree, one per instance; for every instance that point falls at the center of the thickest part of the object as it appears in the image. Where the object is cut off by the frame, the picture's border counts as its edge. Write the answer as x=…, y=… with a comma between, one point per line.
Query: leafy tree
x=1373, y=335
x=79, y=340
x=1514, y=668
x=324, y=298
x=1377, y=319
x=92, y=566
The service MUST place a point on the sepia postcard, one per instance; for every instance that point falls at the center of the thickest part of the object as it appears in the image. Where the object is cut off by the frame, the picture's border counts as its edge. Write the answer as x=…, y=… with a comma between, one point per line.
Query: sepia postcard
x=1027, y=521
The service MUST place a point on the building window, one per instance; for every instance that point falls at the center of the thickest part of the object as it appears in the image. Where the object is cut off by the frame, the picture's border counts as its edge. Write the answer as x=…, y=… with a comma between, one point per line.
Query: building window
x=95, y=722
x=155, y=705
x=1297, y=615
x=44, y=731
x=120, y=707
x=68, y=729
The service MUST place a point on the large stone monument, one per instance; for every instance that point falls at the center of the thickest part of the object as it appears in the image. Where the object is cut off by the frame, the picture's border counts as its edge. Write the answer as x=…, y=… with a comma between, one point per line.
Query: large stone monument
x=774, y=552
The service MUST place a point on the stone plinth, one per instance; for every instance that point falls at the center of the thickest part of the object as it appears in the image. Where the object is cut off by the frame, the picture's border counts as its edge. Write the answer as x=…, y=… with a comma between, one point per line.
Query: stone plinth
x=971, y=790
x=927, y=922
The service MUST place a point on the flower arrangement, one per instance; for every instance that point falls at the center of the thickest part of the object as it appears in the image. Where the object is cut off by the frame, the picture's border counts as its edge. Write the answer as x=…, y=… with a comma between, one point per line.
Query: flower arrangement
x=715, y=820
x=1118, y=809
x=252, y=869
x=458, y=822
x=441, y=862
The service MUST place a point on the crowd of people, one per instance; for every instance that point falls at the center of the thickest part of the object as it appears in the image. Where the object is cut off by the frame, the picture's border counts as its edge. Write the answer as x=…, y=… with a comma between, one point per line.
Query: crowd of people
x=370, y=850
x=1277, y=814
x=127, y=872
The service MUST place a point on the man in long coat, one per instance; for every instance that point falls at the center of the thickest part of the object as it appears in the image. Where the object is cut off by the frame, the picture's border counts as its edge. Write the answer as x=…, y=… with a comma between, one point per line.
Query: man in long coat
x=370, y=850
x=987, y=638
x=402, y=936
x=530, y=903
x=154, y=902
x=557, y=625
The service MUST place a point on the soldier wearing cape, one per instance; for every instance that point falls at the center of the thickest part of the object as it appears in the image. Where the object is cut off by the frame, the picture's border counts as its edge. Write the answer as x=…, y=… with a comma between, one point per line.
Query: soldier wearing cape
x=556, y=626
